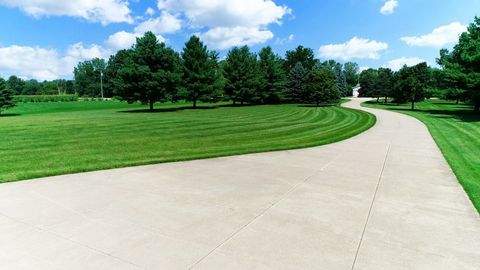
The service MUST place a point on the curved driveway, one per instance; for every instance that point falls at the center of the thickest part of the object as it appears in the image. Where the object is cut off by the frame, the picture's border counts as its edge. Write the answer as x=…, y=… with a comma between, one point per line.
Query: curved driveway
x=385, y=199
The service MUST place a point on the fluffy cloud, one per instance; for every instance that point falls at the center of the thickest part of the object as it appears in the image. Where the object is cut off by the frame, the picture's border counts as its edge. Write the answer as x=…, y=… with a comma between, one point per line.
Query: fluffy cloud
x=389, y=7
x=229, y=23
x=165, y=24
x=121, y=40
x=103, y=11
x=46, y=64
x=397, y=64
x=439, y=37
x=356, y=48
x=224, y=37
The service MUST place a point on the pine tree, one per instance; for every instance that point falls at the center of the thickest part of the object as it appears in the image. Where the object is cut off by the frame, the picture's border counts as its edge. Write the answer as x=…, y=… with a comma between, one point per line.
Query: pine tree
x=6, y=96
x=201, y=76
x=296, y=84
x=273, y=79
x=241, y=75
x=322, y=86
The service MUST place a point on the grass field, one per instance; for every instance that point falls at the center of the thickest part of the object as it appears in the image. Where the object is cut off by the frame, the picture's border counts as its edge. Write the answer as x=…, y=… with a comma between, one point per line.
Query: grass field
x=457, y=132
x=45, y=139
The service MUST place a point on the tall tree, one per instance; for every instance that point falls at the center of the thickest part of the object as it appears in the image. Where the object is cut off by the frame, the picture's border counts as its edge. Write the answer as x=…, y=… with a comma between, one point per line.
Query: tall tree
x=385, y=82
x=150, y=72
x=273, y=78
x=368, y=83
x=410, y=83
x=322, y=86
x=6, y=96
x=352, y=72
x=462, y=64
x=201, y=73
x=88, y=77
x=340, y=77
x=241, y=74
x=297, y=78
x=302, y=55
x=15, y=84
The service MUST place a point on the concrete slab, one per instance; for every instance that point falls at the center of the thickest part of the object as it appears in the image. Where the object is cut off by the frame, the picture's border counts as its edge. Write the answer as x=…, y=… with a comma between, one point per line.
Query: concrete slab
x=385, y=199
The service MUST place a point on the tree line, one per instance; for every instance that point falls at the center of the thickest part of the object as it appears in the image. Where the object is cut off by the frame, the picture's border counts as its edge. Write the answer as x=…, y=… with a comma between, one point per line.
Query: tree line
x=457, y=79
x=151, y=72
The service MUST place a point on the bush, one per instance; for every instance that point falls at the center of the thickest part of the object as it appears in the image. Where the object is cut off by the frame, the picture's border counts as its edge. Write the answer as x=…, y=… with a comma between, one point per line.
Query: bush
x=45, y=98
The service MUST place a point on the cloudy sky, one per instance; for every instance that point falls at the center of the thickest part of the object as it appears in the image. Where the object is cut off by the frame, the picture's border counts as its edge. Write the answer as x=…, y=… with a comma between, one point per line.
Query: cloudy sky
x=44, y=39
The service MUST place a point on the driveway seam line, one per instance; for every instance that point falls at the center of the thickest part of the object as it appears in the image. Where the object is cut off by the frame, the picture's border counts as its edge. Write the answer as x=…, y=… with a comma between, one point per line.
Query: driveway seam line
x=371, y=207
x=254, y=219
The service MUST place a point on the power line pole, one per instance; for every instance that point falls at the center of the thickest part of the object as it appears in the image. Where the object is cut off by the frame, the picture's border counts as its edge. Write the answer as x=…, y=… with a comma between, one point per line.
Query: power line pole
x=101, y=83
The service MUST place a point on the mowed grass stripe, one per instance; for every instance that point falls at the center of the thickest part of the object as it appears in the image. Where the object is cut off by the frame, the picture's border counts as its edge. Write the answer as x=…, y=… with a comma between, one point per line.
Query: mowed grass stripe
x=59, y=138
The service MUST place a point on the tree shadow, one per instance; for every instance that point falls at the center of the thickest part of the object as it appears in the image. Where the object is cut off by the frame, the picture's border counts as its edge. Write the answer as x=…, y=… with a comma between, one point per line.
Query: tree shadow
x=319, y=106
x=464, y=115
x=9, y=115
x=173, y=109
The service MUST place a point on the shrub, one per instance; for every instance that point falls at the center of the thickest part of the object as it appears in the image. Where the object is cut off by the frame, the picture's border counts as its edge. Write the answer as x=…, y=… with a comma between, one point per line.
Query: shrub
x=45, y=98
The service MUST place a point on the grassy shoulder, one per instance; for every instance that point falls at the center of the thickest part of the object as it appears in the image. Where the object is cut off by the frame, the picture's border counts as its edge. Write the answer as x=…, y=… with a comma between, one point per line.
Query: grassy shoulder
x=456, y=129
x=46, y=139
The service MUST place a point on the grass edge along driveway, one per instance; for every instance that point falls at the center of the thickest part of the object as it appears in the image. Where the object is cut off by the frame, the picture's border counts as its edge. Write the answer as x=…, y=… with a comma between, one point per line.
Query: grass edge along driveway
x=48, y=139
x=456, y=130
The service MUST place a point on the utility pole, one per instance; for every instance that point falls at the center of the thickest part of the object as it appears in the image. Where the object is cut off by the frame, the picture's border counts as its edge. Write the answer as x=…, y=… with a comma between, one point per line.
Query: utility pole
x=101, y=83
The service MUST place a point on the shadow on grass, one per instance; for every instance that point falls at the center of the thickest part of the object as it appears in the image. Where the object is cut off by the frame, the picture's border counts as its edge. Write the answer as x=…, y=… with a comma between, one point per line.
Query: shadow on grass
x=173, y=109
x=461, y=112
x=319, y=106
x=9, y=115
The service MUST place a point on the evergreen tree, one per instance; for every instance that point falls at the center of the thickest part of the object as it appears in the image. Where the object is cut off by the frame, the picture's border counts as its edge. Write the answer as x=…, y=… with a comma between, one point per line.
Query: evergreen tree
x=462, y=65
x=302, y=55
x=201, y=76
x=384, y=82
x=410, y=84
x=297, y=79
x=352, y=72
x=273, y=79
x=6, y=96
x=151, y=73
x=368, y=83
x=241, y=75
x=322, y=86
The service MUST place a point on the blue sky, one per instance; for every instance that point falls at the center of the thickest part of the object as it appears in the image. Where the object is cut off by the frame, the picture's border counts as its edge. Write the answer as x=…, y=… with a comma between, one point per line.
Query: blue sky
x=45, y=39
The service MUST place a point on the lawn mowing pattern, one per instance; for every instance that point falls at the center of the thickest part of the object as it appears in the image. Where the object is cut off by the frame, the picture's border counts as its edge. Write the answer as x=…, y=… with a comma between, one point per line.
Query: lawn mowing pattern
x=456, y=130
x=46, y=139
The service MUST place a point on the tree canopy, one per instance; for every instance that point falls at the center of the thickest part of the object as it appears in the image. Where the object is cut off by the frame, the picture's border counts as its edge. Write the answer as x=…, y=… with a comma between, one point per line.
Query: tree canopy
x=6, y=96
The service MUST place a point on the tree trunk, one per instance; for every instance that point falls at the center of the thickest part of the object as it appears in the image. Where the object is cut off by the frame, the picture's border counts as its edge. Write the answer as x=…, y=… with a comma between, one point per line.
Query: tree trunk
x=477, y=106
x=195, y=103
x=386, y=99
x=241, y=103
x=413, y=105
x=458, y=100
x=378, y=99
x=151, y=102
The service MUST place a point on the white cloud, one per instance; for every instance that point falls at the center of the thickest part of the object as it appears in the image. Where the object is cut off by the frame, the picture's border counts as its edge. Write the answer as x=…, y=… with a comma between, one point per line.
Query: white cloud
x=389, y=7
x=224, y=37
x=165, y=24
x=439, y=37
x=281, y=41
x=150, y=11
x=46, y=64
x=103, y=11
x=397, y=64
x=121, y=40
x=229, y=23
x=356, y=48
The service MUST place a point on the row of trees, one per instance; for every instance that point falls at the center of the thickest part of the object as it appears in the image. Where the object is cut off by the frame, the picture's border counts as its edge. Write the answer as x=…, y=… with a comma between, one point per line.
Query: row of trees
x=19, y=86
x=458, y=78
x=151, y=72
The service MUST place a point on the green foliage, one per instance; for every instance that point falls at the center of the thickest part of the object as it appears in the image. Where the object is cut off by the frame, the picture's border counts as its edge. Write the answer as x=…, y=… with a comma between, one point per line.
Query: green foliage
x=45, y=98
x=58, y=138
x=297, y=78
x=149, y=72
x=273, y=78
x=368, y=83
x=411, y=84
x=15, y=84
x=302, y=55
x=462, y=65
x=352, y=72
x=384, y=85
x=321, y=86
x=242, y=75
x=88, y=77
x=201, y=73
x=6, y=96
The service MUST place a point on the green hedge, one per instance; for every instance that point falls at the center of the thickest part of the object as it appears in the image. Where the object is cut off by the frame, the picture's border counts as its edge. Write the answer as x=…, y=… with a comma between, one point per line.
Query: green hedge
x=45, y=98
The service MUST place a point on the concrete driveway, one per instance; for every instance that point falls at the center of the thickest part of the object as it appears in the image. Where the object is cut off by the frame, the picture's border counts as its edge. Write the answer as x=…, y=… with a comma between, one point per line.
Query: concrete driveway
x=385, y=199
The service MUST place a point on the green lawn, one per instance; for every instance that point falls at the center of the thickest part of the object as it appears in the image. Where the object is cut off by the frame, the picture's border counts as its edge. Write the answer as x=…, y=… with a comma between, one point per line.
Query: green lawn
x=44, y=139
x=457, y=132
